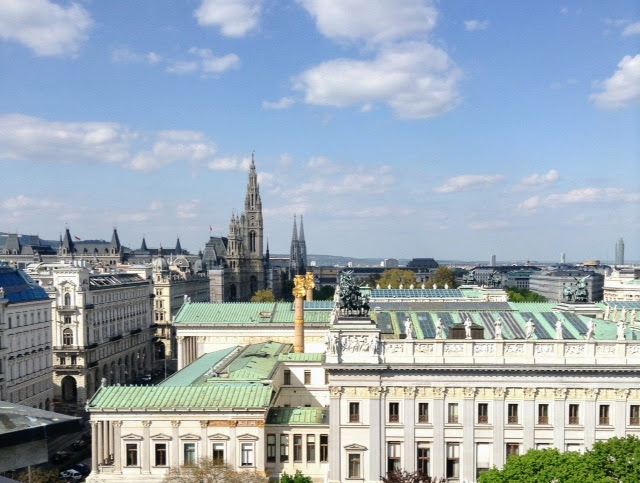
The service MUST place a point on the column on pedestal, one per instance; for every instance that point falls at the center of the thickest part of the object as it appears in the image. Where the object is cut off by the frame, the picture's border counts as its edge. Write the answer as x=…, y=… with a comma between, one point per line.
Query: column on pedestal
x=559, y=409
x=94, y=446
x=499, y=449
x=377, y=434
x=529, y=419
x=335, y=464
x=117, y=460
x=468, y=468
x=175, y=443
x=409, y=462
x=146, y=443
x=438, y=448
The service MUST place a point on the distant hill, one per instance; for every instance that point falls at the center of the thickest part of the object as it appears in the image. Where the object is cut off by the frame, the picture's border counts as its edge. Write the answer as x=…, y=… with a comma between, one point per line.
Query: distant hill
x=331, y=260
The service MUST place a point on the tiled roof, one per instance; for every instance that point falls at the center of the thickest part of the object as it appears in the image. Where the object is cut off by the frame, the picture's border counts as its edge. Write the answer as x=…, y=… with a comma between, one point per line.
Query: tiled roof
x=19, y=287
x=245, y=313
x=298, y=416
x=196, y=372
x=301, y=357
x=256, y=362
x=215, y=396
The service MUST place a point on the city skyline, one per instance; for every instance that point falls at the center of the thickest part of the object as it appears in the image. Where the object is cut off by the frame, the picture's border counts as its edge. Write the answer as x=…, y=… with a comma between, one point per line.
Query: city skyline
x=444, y=130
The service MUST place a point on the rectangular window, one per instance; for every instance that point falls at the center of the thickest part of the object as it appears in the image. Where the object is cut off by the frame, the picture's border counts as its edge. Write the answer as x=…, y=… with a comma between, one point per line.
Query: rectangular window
x=513, y=449
x=247, y=454
x=604, y=414
x=132, y=454
x=423, y=412
x=297, y=448
x=284, y=448
x=483, y=458
x=452, y=413
x=543, y=414
x=394, y=412
x=271, y=448
x=354, y=412
x=423, y=458
x=634, y=415
x=307, y=377
x=161, y=454
x=354, y=465
x=453, y=460
x=287, y=377
x=311, y=448
x=324, y=448
x=574, y=414
x=393, y=456
x=217, y=453
x=189, y=453
x=512, y=414
x=483, y=413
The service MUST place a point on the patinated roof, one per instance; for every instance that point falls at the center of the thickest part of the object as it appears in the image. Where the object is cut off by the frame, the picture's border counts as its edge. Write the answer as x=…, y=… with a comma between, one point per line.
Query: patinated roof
x=301, y=357
x=298, y=416
x=204, y=313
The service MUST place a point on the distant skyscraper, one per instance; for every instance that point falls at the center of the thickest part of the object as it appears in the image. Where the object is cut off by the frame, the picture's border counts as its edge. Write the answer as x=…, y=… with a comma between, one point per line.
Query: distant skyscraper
x=563, y=258
x=620, y=252
x=493, y=261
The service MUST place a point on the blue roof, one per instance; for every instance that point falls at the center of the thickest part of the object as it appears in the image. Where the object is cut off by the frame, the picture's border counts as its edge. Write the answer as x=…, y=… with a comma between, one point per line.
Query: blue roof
x=19, y=287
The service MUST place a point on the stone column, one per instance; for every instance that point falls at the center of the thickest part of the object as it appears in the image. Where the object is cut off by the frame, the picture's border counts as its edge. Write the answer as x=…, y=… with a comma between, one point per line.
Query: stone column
x=467, y=467
x=94, y=446
x=103, y=440
x=620, y=412
x=146, y=442
x=499, y=450
x=299, y=292
x=175, y=444
x=559, y=409
x=529, y=419
x=409, y=460
x=377, y=441
x=180, y=355
x=438, y=448
x=117, y=461
x=335, y=465
x=202, y=450
x=590, y=423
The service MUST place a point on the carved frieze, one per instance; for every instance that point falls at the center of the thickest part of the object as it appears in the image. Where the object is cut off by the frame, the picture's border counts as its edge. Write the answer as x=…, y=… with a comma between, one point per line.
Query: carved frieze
x=574, y=349
x=560, y=392
x=484, y=349
x=335, y=391
x=605, y=350
x=453, y=348
x=425, y=348
x=514, y=349
x=544, y=349
x=499, y=392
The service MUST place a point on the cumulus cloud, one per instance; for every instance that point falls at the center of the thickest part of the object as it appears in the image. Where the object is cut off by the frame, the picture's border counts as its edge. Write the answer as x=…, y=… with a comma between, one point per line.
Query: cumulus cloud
x=579, y=196
x=372, y=22
x=622, y=89
x=26, y=138
x=283, y=103
x=187, y=210
x=235, y=18
x=538, y=181
x=19, y=204
x=473, y=25
x=45, y=27
x=631, y=29
x=124, y=55
x=206, y=62
x=469, y=182
x=416, y=79
x=229, y=163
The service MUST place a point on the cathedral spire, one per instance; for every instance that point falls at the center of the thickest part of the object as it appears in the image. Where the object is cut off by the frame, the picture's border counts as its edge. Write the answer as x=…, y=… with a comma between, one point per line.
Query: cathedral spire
x=143, y=247
x=178, y=247
x=115, y=240
x=303, y=248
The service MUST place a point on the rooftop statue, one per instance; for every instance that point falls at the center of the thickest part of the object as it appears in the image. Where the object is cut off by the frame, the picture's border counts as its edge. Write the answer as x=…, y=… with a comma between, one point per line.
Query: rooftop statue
x=568, y=293
x=469, y=278
x=350, y=300
x=581, y=294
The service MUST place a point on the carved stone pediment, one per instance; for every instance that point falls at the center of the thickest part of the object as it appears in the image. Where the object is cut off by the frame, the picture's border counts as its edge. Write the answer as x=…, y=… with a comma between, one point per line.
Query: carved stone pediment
x=219, y=437
x=247, y=437
x=161, y=437
x=190, y=436
x=132, y=437
x=355, y=447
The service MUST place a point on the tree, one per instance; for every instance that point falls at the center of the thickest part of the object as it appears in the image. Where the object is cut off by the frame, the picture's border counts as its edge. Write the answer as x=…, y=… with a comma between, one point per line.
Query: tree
x=524, y=295
x=403, y=476
x=206, y=470
x=263, y=296
x=443, y=276
x=396, y=277
x=614, y=460
x=326, y=292
x=38, y=475
x=297, y=478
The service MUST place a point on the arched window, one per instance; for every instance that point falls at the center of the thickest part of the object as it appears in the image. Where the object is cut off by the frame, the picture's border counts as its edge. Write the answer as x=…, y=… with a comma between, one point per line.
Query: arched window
x=67, y=299
x=252, y=241
x=67, y=337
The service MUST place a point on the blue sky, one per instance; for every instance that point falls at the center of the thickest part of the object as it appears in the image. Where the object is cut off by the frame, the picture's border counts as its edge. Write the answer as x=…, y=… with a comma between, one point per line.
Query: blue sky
x=398, y=128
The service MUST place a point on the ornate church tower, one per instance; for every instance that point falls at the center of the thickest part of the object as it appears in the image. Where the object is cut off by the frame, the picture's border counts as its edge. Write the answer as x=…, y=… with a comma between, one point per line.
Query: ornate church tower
x=303, y=250
x=294, y=252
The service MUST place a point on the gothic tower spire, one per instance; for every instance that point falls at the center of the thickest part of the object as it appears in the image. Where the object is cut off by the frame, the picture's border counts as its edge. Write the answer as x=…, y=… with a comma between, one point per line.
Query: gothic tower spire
x=303, y=249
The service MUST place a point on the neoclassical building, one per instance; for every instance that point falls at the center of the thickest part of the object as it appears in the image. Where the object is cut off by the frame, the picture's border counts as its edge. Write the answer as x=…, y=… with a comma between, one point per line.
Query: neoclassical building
x=25, y=341
x=400, y=387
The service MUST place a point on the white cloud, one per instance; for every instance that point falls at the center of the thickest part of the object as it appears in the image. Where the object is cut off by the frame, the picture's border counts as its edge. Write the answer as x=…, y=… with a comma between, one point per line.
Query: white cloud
x=468, y=182
x=20, y=203
x=125, y=55
x=631, y=29
x=43, y=26
x=580, y=196
x=283, y=103
x=25, y=138
x=416, y=79
x=622, y=89
x=235, y=18
x=488, y=224
x=187, y=210
x=538, y=181
x=373, y=22
x=229, y=163
x=473, y=25
x=206, y=63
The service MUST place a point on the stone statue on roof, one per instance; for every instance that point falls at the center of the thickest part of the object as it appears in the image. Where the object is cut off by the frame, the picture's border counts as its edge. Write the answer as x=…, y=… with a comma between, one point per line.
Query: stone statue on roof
x=351, y=302
x=623, y=315
x=607, y=310
x=620, y=331
x=633, y=316
x=581, y=294
x=498, y=328
x=559, y=335
x=439, y=329
x=531, y=328
x=408, y=328
x=467, y=327
x=568, y=293
x=591, y=329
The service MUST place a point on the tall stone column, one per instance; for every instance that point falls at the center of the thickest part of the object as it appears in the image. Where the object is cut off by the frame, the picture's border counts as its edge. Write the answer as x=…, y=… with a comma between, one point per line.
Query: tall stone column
x=335, y=465
x=590, y=423
x=100, y=442
x=202, y=450
x=529, y=419
x=559, y=409
x=299, y=292
x=146, y=442
x=620, y=412
x=175, y=444
x=180, y=356
x=499, y=449
x=94, y=446
x=117, y=460
x=409, y=460
x=468, y=470
x=309, y=285
x=438, y=448
x=376, y=434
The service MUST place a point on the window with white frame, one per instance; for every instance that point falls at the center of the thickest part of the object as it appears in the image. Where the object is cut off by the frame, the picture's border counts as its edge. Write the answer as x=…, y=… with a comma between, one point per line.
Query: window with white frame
x=393, y=456
x=131, y=454
x=354, y=469
x=217, y=453
x=246, y=450
x=423, y=458
x=188, y=453
x=483, y=458
x=160, y=453
x=453, y=460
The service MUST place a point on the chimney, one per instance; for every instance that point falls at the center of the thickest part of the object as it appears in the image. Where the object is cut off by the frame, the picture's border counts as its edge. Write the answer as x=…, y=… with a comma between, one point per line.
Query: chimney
x=299, y=292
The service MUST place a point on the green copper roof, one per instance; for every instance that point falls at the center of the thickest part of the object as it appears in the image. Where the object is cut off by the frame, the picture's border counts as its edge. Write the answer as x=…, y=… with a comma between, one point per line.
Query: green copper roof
x=217, y=396
x=196, y=372
x=298, y=416
x=301, y=357
x=533, y=306
x=246, y=313
x=257, y=362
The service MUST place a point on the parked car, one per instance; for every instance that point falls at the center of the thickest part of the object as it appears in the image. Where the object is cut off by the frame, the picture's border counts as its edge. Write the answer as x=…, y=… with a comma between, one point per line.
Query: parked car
x=81, y=468
x=60, y=456
x=71, y=475
x=80, y=443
